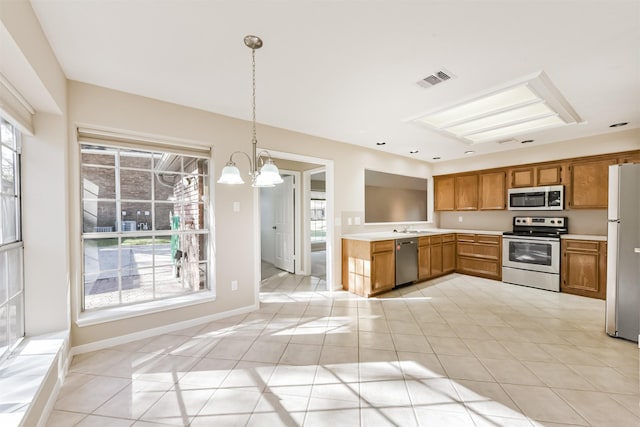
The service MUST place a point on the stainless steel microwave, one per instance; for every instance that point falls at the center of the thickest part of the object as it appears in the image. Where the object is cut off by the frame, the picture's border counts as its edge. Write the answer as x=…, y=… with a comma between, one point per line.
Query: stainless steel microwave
x=548, y=198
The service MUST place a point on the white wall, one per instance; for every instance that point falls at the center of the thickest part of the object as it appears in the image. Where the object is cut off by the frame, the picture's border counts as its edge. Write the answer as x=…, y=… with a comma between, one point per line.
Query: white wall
x=33, y=70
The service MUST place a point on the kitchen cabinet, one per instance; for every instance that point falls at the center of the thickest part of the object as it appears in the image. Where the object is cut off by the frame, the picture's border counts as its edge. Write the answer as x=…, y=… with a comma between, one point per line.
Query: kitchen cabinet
x=442, y=250
x=479, y=255
x=535, y=175
x=368, y=268
x=443, y=193
x=492, y=192
x=589, y=184
x=424, y=258
x=466, y=192
x=584, y=268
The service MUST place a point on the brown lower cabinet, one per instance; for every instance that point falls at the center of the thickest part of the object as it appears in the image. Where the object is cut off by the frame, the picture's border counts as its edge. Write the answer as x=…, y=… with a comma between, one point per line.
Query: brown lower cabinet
x=480, y=255
x=368, y=268
x=584, y=268
x=436, y=255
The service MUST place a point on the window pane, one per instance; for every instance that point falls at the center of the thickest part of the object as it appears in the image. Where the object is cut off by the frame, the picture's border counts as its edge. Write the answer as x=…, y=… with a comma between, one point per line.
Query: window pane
x=98, y=216
x=98, y=183
x=8, y=219
x=136, y=216
x=8, y=179
x=135, y=159
x=16, y=319
x=100, y=255
x=165, y=217
x=137, y=285
x=4, y=336
x=94, y=155
x=135, y=185
x=166, y=250
x=101, y=290
x=7, y=134
x=4, y=284
x=164, y=185
x=13, y=268
x=136, y=252
x=170, y=281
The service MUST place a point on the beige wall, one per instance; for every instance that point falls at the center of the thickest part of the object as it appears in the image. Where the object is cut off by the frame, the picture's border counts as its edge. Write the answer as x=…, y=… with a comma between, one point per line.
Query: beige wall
x=235, y=253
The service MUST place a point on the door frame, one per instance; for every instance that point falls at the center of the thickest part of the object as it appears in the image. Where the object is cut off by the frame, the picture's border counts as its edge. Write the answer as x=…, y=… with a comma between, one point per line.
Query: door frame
x=328, y=165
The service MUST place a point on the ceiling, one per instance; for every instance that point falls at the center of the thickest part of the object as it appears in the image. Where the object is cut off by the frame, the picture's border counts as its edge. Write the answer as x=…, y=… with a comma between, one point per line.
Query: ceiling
x=347, y=70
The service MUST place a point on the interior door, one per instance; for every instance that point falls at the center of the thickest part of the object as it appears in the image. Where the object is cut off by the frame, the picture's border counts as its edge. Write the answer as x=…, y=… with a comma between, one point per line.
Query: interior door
x=283, y=224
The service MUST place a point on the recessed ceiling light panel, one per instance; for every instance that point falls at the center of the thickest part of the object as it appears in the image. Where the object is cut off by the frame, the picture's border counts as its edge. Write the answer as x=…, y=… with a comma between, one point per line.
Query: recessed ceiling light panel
x=532, y=103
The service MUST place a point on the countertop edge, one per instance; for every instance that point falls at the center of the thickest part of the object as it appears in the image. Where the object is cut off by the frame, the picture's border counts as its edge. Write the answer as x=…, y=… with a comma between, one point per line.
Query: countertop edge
x=390, y=235
x=597, y=237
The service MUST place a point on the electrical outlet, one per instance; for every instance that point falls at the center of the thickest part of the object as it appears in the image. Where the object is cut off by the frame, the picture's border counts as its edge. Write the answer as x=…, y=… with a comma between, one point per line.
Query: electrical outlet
x=460, y=218
x=234, y=285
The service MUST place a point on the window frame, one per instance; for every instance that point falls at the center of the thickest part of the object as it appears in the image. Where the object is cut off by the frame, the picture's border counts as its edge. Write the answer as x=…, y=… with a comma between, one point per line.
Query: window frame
x=16, y=245
x=93, y=315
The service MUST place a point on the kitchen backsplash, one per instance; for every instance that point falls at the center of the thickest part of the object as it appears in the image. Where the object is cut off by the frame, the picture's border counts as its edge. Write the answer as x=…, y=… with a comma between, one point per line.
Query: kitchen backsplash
x=580, y=221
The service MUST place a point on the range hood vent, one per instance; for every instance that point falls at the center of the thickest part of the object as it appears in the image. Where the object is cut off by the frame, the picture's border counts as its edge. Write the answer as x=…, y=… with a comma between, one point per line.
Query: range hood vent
x=435, y=78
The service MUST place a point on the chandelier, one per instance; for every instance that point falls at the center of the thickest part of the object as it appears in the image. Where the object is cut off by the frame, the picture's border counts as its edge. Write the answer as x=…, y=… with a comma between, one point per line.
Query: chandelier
x=267, y=175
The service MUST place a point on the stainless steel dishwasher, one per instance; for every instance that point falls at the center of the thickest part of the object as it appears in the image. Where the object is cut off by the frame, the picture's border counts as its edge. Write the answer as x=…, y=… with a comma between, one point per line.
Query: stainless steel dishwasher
x=406, y=260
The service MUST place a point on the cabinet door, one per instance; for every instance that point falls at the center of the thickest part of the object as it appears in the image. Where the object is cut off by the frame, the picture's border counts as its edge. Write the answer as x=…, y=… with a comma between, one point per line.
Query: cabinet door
x=589, y=184
x=443, y=188
x=383, y=272
x=436, y=260
x=522, y=177
x=583, y=268
x=448, y=257
x=549, y=174
x=466, y=192
x=630, y=157
x=492, y=191
x=424, y=261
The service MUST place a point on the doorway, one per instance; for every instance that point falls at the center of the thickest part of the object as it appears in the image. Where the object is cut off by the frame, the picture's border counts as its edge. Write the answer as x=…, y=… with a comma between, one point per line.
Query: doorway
x=308, y=255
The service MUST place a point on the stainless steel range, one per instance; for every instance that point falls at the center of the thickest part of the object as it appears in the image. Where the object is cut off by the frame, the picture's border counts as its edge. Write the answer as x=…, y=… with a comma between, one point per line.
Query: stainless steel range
x=531, y=252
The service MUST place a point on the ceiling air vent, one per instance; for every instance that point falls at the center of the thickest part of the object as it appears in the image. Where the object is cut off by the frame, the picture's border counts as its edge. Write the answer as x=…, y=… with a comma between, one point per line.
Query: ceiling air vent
x=435, y=78
x=506, y=141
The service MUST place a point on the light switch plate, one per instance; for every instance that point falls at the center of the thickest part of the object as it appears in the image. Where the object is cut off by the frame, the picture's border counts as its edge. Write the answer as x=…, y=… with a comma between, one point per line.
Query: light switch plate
x=236, y=206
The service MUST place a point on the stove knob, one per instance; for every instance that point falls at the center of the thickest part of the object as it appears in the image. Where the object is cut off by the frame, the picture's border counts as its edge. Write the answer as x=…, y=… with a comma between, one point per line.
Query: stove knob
x=553, y=222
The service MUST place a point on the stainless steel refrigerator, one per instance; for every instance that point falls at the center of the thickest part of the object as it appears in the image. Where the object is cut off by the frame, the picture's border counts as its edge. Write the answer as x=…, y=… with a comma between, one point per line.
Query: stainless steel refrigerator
x=623, y=252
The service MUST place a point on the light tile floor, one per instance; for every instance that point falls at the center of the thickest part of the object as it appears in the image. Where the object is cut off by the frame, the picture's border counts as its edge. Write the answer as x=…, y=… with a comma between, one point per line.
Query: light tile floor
x=455, y=351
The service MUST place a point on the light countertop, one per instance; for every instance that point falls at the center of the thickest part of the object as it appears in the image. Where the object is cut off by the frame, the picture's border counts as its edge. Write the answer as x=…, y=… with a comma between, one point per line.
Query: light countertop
x=391, y=235
x=585, y=237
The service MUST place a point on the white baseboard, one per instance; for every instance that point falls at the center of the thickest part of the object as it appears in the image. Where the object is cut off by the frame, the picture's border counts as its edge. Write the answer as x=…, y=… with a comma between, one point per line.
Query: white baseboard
x=147, y=333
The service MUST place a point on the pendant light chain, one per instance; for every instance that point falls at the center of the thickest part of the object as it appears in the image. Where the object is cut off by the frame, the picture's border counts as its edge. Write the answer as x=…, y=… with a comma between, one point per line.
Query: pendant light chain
x=253, y=57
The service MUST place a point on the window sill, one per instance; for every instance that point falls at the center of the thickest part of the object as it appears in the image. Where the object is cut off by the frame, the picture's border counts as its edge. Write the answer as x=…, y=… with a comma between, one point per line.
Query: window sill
x=111, y=314
x=24, y=374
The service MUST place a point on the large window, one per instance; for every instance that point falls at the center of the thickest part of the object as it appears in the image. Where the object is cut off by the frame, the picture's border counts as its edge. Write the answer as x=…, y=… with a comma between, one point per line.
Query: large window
x=145, y=225
x=11, y=277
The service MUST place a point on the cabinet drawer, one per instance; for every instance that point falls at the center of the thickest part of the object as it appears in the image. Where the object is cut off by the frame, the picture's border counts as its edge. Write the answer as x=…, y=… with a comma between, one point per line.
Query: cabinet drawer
x=448, y=238
x=488, y=239
x=476, y=250
x=423, y=241
x=582, y=245
x=382, y=246
x=436, y=240
x=480, y=267
x=466, y=237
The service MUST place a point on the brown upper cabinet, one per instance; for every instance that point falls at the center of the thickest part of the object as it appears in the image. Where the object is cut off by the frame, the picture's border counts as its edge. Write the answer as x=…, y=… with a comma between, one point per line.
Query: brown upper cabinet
x=466, y=192
x=589, y=184
x=492, y=191
x=443, y=193
x=586, y=181
x=534, y=175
